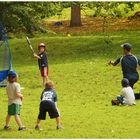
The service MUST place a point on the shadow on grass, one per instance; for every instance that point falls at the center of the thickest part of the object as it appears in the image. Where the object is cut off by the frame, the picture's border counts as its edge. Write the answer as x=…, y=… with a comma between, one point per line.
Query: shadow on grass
x=3, y=130
x=73, y=49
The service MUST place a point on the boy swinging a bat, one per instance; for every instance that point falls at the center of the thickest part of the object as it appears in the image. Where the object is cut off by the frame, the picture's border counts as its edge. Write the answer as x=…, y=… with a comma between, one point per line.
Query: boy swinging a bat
x=42, y=61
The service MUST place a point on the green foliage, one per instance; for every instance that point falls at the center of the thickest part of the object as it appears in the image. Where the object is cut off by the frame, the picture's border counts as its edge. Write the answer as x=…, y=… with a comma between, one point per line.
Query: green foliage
x=112, y=9
x=101, y=9
x=26, y=16
x=108, y=10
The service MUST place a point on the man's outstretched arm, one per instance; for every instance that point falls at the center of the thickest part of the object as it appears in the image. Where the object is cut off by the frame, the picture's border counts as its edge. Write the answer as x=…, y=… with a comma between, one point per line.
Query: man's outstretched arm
x=114, y=63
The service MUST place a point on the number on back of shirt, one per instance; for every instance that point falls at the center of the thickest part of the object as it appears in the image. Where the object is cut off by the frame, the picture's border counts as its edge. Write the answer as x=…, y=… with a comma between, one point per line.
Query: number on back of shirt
x=47, y=95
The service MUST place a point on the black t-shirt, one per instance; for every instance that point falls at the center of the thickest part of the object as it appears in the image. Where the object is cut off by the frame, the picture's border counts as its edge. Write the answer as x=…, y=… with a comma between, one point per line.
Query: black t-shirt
x=43, y=62
x=129, y=66
x=49, y=95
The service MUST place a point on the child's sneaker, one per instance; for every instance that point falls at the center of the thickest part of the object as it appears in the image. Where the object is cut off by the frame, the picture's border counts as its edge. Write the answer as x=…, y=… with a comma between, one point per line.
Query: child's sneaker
x=38, y=128
x=7, y=127
x=21, y=128
x=59, y=127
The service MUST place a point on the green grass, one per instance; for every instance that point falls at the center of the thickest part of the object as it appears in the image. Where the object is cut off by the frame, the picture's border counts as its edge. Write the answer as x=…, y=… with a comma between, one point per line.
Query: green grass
x=85, y=85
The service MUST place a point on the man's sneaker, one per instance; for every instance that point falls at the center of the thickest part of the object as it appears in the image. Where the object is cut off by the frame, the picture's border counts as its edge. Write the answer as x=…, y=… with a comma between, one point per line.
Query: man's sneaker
x=38, y=128
x=59, y=127
x=134, y=103
x=7, y=127
x=21, y=128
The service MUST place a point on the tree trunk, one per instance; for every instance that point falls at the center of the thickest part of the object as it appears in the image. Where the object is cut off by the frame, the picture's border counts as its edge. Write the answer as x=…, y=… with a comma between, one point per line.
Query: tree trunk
x=75, y=16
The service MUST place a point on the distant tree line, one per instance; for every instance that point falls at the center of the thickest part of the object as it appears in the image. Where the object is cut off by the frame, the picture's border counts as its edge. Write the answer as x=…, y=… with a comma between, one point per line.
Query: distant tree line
x=27, y=16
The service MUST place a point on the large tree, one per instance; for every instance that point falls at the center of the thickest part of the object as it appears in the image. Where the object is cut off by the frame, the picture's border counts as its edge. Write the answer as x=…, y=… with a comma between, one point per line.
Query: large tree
x=103, y=9
x=75, y=15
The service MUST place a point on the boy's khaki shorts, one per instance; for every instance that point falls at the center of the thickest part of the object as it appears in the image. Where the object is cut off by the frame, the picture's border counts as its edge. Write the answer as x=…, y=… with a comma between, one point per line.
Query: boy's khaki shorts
x=14, y=109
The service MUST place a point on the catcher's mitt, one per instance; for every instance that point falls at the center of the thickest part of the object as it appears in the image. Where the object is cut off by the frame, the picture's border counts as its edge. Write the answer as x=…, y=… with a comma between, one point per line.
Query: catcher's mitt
x=115, y=102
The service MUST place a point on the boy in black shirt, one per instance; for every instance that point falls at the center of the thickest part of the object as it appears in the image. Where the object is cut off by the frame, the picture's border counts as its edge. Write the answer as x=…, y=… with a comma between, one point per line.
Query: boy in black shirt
x=48, y=104
x=42, y=62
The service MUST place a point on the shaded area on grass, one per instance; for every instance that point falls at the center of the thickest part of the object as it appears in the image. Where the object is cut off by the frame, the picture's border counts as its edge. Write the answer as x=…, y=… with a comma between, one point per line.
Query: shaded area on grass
x=75, y=48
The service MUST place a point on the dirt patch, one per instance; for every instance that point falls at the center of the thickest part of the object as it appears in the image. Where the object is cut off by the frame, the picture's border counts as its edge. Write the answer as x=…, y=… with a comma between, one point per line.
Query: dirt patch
x=90, y=24
x=135, y=16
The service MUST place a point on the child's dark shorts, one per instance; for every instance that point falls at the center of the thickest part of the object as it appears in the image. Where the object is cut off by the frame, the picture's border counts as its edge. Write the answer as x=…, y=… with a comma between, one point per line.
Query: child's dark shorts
x=50, y=107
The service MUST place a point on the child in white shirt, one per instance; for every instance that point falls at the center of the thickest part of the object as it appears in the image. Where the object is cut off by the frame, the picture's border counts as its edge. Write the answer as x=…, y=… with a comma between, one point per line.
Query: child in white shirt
x=14, y=101
x=127, y=95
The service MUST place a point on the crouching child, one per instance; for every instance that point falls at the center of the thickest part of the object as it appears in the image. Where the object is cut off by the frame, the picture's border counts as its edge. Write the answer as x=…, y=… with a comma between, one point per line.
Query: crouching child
x=48, y=104
x=127, y=95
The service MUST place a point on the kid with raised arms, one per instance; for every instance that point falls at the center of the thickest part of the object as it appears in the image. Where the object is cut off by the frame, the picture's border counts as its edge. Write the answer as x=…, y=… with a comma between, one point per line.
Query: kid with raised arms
x=42, y=62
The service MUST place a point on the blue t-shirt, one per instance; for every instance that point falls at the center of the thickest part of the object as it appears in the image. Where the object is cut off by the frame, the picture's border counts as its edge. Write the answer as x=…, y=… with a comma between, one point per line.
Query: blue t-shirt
x=49, y=95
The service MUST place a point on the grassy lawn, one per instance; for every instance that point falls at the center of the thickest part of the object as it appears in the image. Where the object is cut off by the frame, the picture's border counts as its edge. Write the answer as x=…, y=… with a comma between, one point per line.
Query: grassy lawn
x=85, y=85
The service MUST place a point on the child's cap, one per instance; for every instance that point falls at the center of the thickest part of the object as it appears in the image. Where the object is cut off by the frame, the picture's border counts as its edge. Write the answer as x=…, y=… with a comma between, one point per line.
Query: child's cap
x=41, y=45
x=12, y=74
x=49, y=85
x=125, y=82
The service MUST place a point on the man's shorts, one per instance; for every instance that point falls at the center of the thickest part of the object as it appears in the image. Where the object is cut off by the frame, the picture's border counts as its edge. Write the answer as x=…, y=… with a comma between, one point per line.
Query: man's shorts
x=14, y=109
x=50, y=107
x=44, y=71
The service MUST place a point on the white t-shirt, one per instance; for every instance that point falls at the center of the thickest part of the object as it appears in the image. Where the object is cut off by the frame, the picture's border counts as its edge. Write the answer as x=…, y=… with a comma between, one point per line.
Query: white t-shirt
x=12, y=89
x=129, y=98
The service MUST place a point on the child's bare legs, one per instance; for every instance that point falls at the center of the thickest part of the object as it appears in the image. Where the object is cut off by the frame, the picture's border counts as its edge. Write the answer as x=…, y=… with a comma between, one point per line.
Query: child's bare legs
x=18, y=121
x=38, y=122
x=58, y=120
x=58, y=123
x=45, y=79
x=8, y=117
x=37, y=127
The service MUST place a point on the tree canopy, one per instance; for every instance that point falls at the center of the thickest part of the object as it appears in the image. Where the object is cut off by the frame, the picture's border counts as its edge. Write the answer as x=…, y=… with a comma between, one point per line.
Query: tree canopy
x=27, y=16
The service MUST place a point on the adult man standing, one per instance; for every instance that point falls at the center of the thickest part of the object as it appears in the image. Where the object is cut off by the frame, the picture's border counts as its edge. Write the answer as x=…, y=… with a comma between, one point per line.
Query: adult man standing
x=129, y=63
